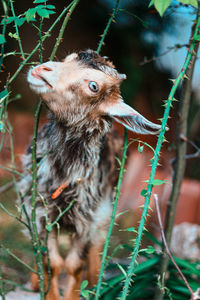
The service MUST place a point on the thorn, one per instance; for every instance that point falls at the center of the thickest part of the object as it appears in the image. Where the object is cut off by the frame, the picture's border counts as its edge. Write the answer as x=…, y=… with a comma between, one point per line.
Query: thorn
x=186, y=77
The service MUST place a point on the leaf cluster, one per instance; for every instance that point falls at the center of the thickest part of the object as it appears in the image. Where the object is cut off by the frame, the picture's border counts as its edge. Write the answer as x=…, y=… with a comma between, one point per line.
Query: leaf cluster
x=162, y=5
x=145, y=278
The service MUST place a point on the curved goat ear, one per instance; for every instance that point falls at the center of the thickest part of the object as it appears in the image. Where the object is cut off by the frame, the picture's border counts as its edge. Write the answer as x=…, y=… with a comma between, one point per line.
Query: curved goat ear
x=130, y=118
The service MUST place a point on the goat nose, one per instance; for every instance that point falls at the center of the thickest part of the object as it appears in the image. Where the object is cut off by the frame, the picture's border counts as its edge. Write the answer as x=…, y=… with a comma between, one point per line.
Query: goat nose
x=37, y=71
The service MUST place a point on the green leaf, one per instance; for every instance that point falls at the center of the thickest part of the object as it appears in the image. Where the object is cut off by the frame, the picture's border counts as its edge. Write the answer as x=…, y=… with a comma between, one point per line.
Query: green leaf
x=151, y=3
x=7, y=20
x=189, y=2
x=197, y=38
x=162, y=5
x=44, y=13
x=30, y=14
x=157, y=181
x=20, y=21
x=2, y=39
x=13, y=35
x=50, y=6
x=49, y=227
x=84, y=284
x=149, y=250
x=130, y=229
x=140, y=148
x=85, y=293
x=43, y=249
x=143, y=193
x=40, y=1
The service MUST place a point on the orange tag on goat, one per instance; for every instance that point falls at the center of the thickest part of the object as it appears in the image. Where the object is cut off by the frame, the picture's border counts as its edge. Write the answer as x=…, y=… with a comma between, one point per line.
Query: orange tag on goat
x=59, y=190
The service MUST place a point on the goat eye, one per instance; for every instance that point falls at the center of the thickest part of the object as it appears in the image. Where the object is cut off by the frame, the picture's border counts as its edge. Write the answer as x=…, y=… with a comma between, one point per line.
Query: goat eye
x=93, y=86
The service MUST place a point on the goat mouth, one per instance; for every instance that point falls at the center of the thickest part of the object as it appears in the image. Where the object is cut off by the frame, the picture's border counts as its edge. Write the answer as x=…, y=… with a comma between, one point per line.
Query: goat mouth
x=40, y=77
x=46, y=82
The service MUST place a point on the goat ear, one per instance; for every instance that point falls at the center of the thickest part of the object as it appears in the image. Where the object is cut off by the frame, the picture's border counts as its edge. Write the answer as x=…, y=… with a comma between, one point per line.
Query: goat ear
x=131, y=119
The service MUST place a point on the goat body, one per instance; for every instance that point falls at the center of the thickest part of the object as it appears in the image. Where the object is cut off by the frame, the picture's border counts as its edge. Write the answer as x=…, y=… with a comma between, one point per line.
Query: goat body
x=77, y=150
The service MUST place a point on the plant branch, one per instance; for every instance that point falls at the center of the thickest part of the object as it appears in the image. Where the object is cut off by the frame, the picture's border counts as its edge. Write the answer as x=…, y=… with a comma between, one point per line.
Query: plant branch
x=17, y=30
x=18, y=259
x=167, y=105
x=12, y=215
x=11, y=171
x=111, y=19
x=2, y=292
x=167, y=248
x=169, y=49
x=105, y=250
x=62, y=29
x=6, y=187
x=36, y=240
x=6, y=10
x=50, y=226
x=180, y=162
x=47, y=34
x=188, y=156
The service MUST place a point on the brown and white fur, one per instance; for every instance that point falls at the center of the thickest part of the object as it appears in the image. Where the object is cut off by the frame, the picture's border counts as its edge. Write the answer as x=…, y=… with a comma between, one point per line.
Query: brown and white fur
x=78, y=147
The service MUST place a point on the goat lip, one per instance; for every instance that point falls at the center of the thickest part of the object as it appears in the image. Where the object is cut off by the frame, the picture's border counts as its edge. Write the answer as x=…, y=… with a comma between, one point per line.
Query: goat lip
x=38, y=76
x=46, y=82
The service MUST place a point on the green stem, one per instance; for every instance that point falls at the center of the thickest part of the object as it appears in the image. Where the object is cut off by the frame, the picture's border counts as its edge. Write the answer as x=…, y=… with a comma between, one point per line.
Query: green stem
x=111, y=19
x=2, y=292
x=105, y=250
x=12, y=215
x=17, y=30
x=179, y=168
x=10, y=282
x=155, y=162
x=62, y=29
x=50, y=226
x=37, y=245
x=41, y=42
x=18, y=259
x=36, y=240
x=38, y=45
x=6, y=9
x=12, y=171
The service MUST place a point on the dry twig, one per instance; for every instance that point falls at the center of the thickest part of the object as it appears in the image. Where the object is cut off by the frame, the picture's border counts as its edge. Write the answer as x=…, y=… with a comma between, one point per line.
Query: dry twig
x=194, y=295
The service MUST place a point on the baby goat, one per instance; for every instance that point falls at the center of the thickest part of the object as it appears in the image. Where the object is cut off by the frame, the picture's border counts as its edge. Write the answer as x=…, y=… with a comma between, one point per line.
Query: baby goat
x=76, y=153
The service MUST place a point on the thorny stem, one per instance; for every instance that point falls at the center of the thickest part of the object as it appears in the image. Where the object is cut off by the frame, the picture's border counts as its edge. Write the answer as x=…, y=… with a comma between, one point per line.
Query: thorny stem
x=105, y=250
x=111, y=19
x=12, y=215
x=10, y=282
x=11, y=171
x=50, y=226
x=180, y=161
x=166, y=246
x=62, y=29
x=37, y=245
x=17, y=258
x=10, y=131
x=17, y=31
x=47, y=34
x=2, y=292
x=36, y=240
x=6, y=187
x=112, y=221
x=168, y=104
x=6, y=9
